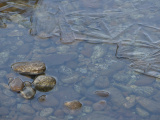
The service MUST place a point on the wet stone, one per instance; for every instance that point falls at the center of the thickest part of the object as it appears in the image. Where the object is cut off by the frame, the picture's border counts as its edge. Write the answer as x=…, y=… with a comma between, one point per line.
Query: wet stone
x=16, y=85
x=46, y=112
x=131, y=101
x=100, y=105
x=59, y=113
x=116, y=97
x=142, y=112
x=29, y=68
x=4, y=111
x=6, y=101
x=42, y=98
x=149, y=104
x=44, y=83
x=102, y=93
x=50, y=101
x=70, y=79
x=28, y=92
x=102, y=82
x=73, y=105
x=25, y=108
x=144, y=80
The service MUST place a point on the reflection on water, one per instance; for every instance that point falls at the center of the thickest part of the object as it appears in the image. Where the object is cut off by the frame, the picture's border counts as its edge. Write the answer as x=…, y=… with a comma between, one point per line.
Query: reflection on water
x=81, y=42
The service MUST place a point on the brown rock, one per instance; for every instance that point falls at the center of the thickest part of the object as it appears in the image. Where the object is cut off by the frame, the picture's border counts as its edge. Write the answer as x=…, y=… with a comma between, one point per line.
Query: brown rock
x=16, y=85
x=99, y=105
x=102, y=93
x=73, y=105
x=29, y=68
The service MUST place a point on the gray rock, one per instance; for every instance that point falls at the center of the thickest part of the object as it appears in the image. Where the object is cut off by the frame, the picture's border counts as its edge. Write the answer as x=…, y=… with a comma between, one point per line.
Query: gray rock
x=46, y=112
x=149, y=104
x=25, y=108
x=96, y=116
x=142, y=112
x=70, y=79
x=116, y=97
x=28, y=92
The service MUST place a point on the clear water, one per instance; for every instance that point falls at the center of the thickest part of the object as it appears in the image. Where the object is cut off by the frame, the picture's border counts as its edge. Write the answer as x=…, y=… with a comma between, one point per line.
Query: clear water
x=87, y=45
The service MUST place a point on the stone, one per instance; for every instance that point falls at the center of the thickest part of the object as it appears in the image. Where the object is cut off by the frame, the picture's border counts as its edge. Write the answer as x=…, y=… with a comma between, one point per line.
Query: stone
x=70, y=79
x=42, y=98
x=102, y=93
x=50, y=101
x=144, y=80
x=96, y=116
x=28, y=92
x=142, y=112
x=59, y=113
x=100, y=105
x=102, y=82
x=29, y=68
x=25, y=108
x=6, y=101
x=40, y=118
x=16, y=85
x=44, y=83
x=4, y=111
x=46, y=112
x=149, y=104
x=57, y=59
x=131, y=101
x=116, y=97
x=73, y=105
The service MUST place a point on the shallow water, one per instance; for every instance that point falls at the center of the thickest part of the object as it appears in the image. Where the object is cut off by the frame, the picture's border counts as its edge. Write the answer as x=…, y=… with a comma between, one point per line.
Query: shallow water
x=88, y=45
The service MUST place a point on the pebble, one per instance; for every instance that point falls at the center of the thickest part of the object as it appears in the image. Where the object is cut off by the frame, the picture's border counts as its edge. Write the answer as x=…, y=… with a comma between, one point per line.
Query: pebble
x=102, y=82
x=46, y=112
x=44, y=83
x=116, y=97
x=40, y=118
x=57, y=59
x=142, y=112
x=42, y=98
x=4, y=111
x=6, y=101
x=131, y=101
x=16, y=85
x=144, y=80
x=100, y=105
x=59, y=113
x=87, y=109
x=149, y=104
x=70, y=79
x=28, y=92
x=29, y=68
x=102, y=93
x=50, y=101
x=73, y=105
x=25, y=108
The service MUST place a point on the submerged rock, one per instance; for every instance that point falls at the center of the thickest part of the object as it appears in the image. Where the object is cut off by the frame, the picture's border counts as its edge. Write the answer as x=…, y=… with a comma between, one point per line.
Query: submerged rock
x=102, y=93
x=28, y=92
x=16, y=84
x=44, y=83
x=100, y=105
x=149, y=104
x=73, y=105
x=29, y=68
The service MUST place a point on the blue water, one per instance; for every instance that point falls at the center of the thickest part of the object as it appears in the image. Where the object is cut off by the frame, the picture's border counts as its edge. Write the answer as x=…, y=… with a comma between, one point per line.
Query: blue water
x=87, y=45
